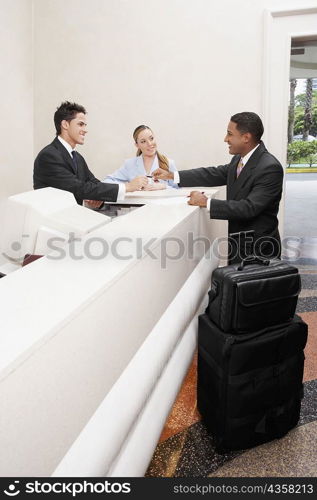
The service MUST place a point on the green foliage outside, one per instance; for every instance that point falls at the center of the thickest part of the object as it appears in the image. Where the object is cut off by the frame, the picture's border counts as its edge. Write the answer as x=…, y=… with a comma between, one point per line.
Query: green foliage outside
x=302, y=152
x=299, y=114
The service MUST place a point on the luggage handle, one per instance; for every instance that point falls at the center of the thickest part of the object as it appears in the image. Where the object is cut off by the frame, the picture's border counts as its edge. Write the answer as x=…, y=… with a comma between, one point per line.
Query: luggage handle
x=253, y=259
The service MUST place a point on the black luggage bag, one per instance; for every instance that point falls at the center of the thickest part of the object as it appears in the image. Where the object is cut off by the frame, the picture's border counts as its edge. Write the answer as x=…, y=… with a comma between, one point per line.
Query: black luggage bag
x=249, y=387
x=253, y=295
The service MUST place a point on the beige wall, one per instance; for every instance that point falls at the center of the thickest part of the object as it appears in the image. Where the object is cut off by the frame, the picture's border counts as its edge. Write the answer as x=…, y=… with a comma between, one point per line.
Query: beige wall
x=16, y=157
x=181, y=66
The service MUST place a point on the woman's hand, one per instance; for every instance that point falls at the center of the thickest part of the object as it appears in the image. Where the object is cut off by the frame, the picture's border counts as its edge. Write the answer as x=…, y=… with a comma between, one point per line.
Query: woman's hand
x=155, y=187
x=137, y=184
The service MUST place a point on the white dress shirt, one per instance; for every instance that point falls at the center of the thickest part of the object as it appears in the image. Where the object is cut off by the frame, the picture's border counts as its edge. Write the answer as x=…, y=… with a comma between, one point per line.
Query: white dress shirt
x=66, y=146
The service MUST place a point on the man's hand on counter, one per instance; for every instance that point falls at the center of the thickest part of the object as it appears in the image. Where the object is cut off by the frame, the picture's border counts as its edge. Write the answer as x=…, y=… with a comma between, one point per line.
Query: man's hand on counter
x=136, y=184
x=164, y=175
x=93, y=203
x=198, y=199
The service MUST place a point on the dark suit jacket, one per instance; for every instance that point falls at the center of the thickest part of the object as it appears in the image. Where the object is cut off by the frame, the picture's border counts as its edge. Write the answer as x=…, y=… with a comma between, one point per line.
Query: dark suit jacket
x=53, y=167
x=252, y=198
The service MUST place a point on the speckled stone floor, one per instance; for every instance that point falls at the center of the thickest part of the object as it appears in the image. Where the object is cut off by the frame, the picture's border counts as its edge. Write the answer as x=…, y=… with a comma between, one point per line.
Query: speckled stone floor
x=186, y=449
x=294, y=455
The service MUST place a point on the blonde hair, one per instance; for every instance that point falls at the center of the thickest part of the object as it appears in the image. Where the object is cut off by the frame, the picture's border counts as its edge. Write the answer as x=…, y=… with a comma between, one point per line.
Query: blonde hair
x=162, y=159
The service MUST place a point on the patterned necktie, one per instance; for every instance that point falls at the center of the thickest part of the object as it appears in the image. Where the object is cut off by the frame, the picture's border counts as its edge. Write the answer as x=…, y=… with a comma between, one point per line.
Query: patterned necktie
x=74, y=161
x=239, y=167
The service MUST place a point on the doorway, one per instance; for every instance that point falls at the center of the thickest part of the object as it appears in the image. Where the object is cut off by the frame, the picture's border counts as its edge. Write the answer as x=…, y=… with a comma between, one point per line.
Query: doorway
x=300, y=221
x=283, y=28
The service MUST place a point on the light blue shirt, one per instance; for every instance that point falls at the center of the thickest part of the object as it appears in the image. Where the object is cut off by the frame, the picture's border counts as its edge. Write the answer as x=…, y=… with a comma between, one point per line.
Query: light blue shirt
x=133, y=167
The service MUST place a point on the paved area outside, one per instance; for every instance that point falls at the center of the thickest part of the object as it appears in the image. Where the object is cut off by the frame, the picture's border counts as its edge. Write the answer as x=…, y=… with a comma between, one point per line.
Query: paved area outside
x=300, y=212
x=301, y=177
x=300, y=219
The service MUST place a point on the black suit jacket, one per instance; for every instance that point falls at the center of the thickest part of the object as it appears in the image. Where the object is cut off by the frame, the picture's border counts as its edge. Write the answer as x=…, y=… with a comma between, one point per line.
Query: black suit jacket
x=53, y=167
x=252, y=198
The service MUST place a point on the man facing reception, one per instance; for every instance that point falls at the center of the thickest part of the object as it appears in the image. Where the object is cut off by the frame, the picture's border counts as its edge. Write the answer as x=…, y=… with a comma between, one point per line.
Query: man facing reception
x=254, y=180
x=58, y=165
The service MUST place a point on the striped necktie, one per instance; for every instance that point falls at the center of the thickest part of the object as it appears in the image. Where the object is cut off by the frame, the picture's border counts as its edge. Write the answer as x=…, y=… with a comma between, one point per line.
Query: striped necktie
x=239, y=167
x=74, y=161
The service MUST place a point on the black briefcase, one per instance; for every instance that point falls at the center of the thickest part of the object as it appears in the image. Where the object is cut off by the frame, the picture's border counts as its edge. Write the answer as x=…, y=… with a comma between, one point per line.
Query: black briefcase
x=253, y=295
x=249, y=386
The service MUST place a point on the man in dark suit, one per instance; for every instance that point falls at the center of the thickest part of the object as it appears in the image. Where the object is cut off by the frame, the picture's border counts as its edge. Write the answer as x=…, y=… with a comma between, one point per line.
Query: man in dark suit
x=254, y=180
x=58, y=165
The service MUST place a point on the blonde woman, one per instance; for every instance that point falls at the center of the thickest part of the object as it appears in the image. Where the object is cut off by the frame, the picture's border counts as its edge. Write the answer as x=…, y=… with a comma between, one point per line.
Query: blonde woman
x=146, y=161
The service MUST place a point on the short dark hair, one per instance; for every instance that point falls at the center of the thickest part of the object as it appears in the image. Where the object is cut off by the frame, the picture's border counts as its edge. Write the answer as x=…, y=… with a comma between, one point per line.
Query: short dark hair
x=249, y=122
x=66, y=111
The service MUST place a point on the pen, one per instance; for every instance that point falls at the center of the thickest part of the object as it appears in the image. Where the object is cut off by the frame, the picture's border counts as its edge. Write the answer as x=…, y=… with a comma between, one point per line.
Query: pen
x=151, y=177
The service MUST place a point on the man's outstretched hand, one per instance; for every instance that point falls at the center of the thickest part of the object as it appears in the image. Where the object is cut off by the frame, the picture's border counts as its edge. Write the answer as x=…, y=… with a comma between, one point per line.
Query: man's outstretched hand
x=162, y=175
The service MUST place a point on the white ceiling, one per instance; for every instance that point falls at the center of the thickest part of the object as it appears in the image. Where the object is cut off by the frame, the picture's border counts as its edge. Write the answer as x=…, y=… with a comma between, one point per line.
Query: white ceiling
x=304, y=65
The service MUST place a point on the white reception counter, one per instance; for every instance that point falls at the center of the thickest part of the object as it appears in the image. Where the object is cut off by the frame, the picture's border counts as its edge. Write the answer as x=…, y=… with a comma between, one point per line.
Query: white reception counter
x=96, y=339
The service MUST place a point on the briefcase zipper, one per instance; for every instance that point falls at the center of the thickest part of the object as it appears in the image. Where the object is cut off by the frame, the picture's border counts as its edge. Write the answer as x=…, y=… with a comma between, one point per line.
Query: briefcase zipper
x=237, y=278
